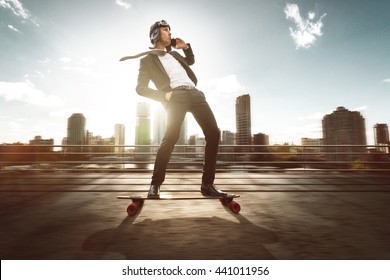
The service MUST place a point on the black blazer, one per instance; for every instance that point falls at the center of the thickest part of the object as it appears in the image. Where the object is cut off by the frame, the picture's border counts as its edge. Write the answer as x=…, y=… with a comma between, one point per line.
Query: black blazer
x=151, y=69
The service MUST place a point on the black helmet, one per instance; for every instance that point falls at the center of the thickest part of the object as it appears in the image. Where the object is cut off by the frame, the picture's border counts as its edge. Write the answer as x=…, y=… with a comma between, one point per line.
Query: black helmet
x=154, y=33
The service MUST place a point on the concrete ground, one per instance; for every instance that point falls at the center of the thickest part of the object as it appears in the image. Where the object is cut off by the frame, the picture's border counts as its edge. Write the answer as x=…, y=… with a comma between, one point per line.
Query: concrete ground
x=299, y=216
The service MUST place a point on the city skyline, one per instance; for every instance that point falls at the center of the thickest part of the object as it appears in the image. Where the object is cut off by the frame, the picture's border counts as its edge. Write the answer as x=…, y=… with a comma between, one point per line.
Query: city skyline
x=343, y=124
x=298, y=60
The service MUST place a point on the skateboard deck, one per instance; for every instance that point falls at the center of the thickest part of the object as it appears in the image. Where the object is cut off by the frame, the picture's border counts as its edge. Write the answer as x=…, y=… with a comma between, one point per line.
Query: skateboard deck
x=138, y=200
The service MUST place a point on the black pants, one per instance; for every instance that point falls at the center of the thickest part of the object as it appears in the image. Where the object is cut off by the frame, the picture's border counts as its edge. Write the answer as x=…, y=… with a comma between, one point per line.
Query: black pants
x=181, y=102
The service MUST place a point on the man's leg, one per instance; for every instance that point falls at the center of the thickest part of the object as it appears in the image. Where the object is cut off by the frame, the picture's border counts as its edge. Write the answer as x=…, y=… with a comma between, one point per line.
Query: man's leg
x=205, y=118
x=175, y=116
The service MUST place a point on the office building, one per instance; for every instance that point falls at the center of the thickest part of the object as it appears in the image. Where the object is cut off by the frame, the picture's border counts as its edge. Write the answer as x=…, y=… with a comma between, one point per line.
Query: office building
x=312, y=149
x=45, y=145
x=243, y=127
x=76, y=132
x=260, y=149
x=381, y=137
x=159, y=123
x=119, y=135
x=347, y=130
x=243, y=120
x=260, y=139
x=312, y=142
x=195, y=148
x=142, y=131
x=228, y=138
x=226, y=149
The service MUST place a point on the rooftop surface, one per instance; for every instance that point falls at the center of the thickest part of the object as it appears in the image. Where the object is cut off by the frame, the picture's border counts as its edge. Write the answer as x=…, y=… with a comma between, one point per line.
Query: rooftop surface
x=303, y=216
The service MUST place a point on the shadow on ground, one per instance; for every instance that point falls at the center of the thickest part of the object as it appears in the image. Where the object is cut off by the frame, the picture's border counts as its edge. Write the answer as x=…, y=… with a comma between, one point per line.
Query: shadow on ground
x=184, y=238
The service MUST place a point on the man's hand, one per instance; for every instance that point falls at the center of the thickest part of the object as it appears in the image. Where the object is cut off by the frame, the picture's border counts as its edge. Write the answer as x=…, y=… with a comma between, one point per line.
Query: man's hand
x=181, y=44
x=168, y=96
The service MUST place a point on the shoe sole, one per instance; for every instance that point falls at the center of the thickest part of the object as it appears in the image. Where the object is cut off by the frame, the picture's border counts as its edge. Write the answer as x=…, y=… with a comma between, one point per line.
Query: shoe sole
x=217, y=195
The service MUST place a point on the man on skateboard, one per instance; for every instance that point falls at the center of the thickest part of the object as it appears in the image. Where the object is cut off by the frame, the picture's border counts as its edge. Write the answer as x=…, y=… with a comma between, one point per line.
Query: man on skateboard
x=176, y=90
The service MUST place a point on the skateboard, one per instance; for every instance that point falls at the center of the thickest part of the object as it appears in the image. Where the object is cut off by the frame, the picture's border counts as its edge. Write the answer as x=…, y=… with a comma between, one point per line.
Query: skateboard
x=138, y=200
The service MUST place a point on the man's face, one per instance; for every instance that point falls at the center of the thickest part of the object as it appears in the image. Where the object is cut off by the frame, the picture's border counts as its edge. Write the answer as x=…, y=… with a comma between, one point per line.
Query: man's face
x=165, y=36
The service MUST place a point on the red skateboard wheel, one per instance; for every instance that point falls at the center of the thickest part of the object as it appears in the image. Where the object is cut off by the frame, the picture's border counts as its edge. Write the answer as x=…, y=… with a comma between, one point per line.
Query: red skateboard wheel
x=132, y=209
x=234, y=207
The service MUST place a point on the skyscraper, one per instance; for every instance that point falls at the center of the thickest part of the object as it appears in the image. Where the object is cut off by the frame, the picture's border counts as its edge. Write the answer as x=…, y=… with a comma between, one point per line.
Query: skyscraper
x=243, y=120
x=142, y=130
x=119, y=137
x=76, y=131
x=159, y=123
x=346, y=129
x=226, y=150
x=243, y=125
x=381, y=136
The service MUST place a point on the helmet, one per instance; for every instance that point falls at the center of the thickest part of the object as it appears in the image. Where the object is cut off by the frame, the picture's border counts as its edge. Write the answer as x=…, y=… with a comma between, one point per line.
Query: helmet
x=154, y=33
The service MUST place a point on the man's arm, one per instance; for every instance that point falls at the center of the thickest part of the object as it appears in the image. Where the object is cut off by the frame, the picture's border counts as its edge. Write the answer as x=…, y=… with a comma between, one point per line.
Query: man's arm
x=186, y=47
x=189, y=55
x=143, y=88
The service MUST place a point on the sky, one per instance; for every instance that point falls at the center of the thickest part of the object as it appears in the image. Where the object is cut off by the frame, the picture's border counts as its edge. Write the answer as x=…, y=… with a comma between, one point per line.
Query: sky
x=299, y=60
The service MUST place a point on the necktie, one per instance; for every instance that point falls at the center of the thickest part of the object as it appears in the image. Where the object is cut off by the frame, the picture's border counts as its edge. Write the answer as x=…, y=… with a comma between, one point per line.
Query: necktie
x=155, y=52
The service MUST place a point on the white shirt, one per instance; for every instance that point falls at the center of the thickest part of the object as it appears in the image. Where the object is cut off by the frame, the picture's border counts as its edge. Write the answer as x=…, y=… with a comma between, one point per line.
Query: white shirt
x=176, y=73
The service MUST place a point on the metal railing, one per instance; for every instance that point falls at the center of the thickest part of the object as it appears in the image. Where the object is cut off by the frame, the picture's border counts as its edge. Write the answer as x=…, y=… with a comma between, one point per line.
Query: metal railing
x=231, y=158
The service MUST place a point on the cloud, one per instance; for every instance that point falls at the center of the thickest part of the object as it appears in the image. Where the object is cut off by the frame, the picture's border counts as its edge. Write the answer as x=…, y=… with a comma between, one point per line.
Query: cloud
x=17, y=9
x=222, y=86
x=123, y=4
x=361, y=108
x=314, y=116
x=83, y=65
x=27, y=93
x=386, y=80
x=306, y=31
x=14, y=28
x=65, y=59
